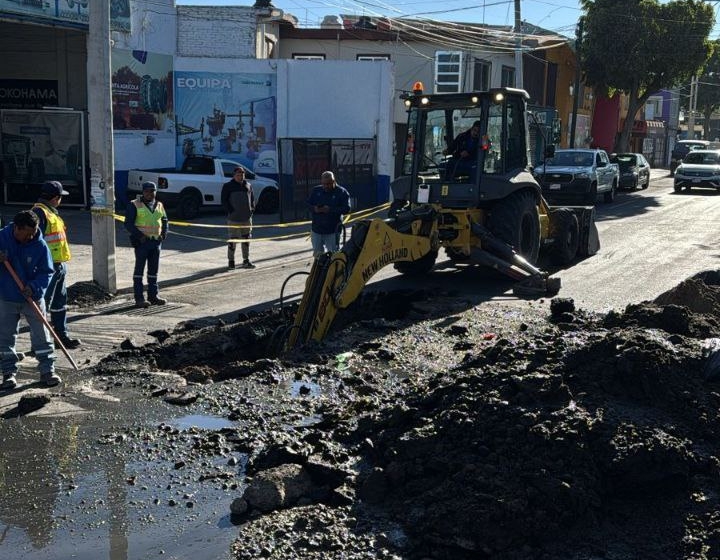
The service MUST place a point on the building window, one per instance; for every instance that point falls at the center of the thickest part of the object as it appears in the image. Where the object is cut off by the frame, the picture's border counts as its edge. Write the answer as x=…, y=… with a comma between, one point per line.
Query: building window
x=372, y=57
x=308, y=56
x=448, y=72
x=507, y=78
x=481, y=75
x=653, y=108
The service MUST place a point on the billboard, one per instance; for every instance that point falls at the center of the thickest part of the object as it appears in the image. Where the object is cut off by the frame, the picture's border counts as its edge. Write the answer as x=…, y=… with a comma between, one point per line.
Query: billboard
x=142, y=94
x=232, y=116
x=70, y=11
x=28, y=94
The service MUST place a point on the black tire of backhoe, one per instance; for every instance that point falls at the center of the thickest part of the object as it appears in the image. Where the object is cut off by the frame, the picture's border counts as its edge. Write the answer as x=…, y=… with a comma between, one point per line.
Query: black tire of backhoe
x=566, y=236
x=515, y=220
x=456, y=255
x=419, y=267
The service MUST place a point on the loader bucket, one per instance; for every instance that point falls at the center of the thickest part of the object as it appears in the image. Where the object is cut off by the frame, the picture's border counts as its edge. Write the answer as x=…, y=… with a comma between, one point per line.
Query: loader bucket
x=589, y=242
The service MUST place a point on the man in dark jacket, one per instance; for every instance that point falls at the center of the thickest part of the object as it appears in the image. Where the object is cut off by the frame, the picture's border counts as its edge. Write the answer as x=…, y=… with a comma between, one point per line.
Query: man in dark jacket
x=238, y=200
x=23, y=247
x=328, y=202
x=464, y=151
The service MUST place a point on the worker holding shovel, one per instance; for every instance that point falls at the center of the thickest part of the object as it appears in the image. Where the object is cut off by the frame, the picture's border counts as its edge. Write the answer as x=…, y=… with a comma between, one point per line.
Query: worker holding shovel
x=25, y=261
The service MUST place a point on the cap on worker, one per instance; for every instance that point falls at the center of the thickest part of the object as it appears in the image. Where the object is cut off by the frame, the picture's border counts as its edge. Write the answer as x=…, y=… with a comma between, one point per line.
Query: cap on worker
x=149, y=186
x=53, y=188
x=476, y=123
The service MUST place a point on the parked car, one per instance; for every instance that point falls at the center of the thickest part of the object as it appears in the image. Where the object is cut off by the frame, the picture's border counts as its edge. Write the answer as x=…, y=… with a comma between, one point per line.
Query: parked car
x=634, y=170
x=700, y=168
x=682, y=148
x=199, y=183
x=578, y=176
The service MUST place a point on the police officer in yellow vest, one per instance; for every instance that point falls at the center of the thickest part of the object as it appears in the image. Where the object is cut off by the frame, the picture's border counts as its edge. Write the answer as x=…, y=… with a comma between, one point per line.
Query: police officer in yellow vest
x=147, y=223
x=53, y=228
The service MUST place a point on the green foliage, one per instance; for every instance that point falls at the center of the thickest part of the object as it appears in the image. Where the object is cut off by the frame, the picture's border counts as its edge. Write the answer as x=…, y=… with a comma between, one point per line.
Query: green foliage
x=640, y=47
x=708, y=96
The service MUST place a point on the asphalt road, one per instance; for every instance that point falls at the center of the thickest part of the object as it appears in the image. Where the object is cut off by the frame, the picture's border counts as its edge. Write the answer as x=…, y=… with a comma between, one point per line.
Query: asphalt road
x=651, y=241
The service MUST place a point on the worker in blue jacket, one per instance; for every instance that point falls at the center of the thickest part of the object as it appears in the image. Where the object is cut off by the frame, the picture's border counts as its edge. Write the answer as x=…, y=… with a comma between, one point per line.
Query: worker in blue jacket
x=23, y=247
x=328, y=202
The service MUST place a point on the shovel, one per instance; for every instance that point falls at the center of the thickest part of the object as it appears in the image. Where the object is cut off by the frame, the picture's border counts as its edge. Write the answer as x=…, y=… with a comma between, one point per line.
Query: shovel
x=40, y=314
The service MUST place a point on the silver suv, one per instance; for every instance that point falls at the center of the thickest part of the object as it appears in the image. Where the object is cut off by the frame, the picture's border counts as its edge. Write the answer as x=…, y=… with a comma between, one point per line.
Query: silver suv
x=700, y=168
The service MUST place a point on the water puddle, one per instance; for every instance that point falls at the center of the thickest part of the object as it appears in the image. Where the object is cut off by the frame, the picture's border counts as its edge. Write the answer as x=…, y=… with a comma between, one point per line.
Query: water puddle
x=94, y=487
x=202, y=421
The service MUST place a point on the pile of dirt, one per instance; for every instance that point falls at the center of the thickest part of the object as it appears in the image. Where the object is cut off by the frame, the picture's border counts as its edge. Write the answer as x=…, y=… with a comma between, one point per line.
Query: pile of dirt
x=460, y=432
x=87, y=294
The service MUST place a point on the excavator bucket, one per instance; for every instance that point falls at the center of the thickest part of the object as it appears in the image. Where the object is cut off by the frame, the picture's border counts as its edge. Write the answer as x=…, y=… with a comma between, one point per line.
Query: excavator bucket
x=589, y=242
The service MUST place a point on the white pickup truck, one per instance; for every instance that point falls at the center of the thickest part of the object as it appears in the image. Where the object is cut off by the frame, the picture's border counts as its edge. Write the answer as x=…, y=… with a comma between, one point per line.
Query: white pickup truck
x=199, y=182
x=578, y=176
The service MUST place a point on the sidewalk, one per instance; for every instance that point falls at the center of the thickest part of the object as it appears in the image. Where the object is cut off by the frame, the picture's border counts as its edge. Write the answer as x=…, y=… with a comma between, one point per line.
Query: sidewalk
x=193, y=277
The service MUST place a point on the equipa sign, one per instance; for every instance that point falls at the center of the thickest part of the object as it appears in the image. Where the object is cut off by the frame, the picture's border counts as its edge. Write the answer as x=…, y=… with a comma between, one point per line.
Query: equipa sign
x=383, y=260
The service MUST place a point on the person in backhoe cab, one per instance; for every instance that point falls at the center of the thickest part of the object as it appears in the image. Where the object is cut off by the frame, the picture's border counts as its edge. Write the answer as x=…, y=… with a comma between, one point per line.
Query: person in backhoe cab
x=328, y=202
x=464, y=151
x=147, y=223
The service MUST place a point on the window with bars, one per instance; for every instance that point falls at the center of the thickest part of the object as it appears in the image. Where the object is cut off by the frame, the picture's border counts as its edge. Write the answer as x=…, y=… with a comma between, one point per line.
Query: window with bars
x=372, y=57
x=507, y=77
x=481, y=75
x=448, y=71
x=308, y=56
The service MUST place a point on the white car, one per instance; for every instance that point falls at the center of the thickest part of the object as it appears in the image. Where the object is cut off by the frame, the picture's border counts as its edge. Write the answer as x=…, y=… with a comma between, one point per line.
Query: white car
x=699, y=168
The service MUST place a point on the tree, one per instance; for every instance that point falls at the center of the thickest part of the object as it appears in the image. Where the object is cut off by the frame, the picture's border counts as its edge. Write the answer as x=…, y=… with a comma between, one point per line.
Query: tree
x=708, y=96
x=639, y=47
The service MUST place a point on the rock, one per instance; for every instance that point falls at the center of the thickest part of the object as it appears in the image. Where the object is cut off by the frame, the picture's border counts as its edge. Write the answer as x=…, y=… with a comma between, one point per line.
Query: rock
x=181, y=398
x=559, y=305
x=278, y=488
x=239, y=506
x=128, y=344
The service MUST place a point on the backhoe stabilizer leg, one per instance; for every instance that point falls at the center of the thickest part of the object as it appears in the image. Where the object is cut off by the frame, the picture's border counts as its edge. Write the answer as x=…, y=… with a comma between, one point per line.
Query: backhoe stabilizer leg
x=502, y=257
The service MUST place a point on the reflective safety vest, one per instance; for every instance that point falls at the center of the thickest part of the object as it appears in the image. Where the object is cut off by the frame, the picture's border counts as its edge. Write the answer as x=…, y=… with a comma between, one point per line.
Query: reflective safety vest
x=55, y=234
x=149, y=223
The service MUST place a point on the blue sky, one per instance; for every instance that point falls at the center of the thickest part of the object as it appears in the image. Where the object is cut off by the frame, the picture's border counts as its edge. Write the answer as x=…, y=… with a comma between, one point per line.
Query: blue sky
x=560, y=16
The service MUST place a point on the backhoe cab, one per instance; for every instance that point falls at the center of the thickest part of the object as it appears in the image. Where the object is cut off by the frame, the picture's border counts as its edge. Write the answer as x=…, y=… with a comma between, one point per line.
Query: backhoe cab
x=466, y=187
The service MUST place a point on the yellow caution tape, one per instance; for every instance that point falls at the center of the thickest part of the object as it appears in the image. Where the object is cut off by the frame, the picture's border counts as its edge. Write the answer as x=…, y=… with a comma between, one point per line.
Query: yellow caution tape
x=348, y=219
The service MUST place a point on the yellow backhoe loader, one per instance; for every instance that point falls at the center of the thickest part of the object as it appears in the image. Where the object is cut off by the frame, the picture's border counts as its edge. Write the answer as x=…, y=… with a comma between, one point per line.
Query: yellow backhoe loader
x=474, y=197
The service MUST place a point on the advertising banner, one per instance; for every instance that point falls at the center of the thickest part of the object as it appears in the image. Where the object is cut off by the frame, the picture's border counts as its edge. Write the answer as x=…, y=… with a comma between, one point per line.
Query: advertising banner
x=70, y=11
x=28, y=94
x=38, y=146
x=142, y=95
x=227, y=115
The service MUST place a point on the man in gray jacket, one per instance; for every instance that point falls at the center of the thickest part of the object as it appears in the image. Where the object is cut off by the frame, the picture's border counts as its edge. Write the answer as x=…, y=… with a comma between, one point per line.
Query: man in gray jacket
x=238, y=200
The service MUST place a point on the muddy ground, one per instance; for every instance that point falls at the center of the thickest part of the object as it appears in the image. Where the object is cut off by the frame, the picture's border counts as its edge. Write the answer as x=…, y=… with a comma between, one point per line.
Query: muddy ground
x=426, y=428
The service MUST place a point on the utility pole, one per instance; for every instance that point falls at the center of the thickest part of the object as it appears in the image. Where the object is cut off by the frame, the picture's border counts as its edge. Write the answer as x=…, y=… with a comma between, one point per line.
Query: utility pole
x=100, y=139
x=576, y=87
x=692, y=107
x=518, y=47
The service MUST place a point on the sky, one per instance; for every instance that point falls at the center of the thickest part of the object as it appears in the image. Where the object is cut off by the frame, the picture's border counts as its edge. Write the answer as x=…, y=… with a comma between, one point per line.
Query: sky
x=560, y=16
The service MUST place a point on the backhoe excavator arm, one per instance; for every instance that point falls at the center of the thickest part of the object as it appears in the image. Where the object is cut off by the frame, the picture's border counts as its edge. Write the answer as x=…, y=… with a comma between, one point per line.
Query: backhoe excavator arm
x=336, y=279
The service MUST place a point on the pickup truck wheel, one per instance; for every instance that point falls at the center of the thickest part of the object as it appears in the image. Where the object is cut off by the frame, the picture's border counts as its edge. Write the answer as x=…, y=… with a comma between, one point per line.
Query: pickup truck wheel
x=677, y=188
x=269, y=202
x=515, y=220
x=610, y=196
x=189, y=205
x=565, y=233
x=419, y=267
x=592, y=195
